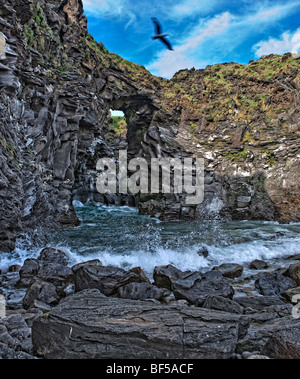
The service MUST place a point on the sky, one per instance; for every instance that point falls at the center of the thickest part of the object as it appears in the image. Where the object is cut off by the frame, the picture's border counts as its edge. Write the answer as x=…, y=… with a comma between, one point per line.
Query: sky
x=202, y=32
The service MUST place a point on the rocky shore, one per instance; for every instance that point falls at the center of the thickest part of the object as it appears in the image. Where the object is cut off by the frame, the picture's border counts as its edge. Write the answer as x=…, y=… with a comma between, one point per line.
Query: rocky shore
x=55, y=311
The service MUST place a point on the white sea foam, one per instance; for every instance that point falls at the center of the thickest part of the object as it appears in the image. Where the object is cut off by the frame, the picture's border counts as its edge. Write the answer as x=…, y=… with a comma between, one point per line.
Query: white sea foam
x=119, y=237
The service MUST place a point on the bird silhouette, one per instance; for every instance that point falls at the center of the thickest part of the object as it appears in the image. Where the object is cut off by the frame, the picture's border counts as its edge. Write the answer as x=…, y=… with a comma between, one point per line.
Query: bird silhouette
x=160, y=35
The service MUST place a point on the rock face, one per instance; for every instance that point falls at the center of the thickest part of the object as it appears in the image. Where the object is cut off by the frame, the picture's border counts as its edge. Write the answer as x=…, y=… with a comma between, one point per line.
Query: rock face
x=134, y=330
x=57, y=87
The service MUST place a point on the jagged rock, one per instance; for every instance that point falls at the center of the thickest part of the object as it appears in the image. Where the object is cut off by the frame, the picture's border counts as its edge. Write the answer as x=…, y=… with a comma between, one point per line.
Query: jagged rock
x=284, y=345
x=53, y=256
x=257, y=264
x=223, y=304
x=196, y=287
x=294, y=273
x=14, y=268
x=140, y=291
x=83, y=326
x=203, y=252
x=140, y=272
x=164, y=276
x=92, y=262
x=15, y=338
x=258, y=303
x=28, y=271
x=230, y=270
x=55, y=273
x=276, y=339
x=41, y=291
x=105, y=278
x=275, y=283
x=292, y=293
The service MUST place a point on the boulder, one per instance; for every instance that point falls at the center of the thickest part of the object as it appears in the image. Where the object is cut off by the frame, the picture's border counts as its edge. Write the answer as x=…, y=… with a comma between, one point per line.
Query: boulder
x=140, y=272
x=197, y=287
x=53, y=256
x=230, y=270
x=203, y=252
x=15, y=336
x=277, y=339
x=140, y=291
x=294, y=273
x=56, y=273
x=88, y=325
x=291, y=294
x=164, y=276
x=105, y=278
x=273, y=283
x=257, y=264
x=283, y=345
x=28, y=271
x=92, y=262
x=41, y=291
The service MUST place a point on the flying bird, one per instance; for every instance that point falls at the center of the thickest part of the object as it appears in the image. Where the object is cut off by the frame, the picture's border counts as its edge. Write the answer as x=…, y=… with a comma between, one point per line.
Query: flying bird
x=159, y=34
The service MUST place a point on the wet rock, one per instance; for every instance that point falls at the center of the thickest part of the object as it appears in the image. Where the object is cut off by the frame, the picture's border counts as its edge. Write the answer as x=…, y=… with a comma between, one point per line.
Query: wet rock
x=223, y=304
x=14, y=268
x=284, y=332
x=140, y=272
x=15, y=337
x=105, y=278
x=294, y=273
x=258, y=303
x=53, y=256
x=196, y=287
x=84, y=326
x=203, y=252
x=140, y=291
x=164, y=276
x=41, y=291
x=293, y=293
x=28, y=271
x=284, y=344
x=275, y=283
x=230, y=270
x=295, y=257
x=55, y=273
x=257, y=264
x=92, y=262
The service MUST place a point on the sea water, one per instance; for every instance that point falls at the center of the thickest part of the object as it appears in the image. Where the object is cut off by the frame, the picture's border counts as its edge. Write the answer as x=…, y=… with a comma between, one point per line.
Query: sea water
x=119, y=236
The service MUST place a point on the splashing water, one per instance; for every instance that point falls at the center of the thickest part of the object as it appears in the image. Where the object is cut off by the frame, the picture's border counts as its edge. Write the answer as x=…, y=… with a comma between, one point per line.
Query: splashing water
x=119, y=236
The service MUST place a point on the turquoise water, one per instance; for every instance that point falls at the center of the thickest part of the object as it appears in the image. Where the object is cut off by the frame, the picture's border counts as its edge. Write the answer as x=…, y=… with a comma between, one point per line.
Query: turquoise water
x=119, y=236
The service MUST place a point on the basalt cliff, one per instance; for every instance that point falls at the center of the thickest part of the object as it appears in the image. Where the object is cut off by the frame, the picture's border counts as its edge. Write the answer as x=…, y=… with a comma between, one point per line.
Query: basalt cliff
x=57, y=86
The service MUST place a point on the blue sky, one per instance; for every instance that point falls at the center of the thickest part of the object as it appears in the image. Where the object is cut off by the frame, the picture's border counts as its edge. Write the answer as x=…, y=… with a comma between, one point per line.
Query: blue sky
x=202, y=32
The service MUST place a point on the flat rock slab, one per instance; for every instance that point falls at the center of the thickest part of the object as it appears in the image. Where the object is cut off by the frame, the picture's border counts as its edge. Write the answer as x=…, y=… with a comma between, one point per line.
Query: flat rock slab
x=89, y=325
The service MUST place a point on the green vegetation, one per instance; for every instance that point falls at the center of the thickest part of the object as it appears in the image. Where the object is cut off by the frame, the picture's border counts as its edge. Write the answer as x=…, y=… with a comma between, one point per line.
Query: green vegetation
x=118, y=125
x=271, y=160
x=237, y=155
x=29, y=34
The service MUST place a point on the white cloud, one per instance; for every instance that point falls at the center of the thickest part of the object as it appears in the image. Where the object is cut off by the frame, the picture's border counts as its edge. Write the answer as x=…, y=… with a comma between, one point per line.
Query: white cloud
x=109, y=8
x=190, y=7
x=169, y=62
x=287, y=43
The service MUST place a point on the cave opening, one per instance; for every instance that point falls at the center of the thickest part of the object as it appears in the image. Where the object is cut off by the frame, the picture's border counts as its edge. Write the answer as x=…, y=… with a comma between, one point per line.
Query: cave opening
x=124, y=127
